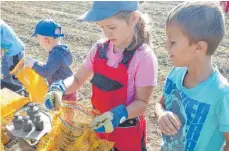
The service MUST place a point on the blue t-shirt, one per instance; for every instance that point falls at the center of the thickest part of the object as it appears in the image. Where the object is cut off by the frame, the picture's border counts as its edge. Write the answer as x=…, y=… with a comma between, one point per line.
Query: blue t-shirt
x=10, y=43
x=202, y=110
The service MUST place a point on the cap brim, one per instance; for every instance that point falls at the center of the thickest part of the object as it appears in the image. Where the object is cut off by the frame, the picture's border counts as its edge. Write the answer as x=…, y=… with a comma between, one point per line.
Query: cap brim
x=34, y=34
x=96, y=15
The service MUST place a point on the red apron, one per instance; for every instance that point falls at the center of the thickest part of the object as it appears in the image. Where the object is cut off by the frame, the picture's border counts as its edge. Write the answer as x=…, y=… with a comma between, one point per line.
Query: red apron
x=130, y=137
x=227, y=7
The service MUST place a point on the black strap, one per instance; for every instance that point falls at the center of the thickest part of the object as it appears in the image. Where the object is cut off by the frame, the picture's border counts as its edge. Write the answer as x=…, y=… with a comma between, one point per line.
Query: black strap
x=127, y=54
x=129, y=123
x=102, y=48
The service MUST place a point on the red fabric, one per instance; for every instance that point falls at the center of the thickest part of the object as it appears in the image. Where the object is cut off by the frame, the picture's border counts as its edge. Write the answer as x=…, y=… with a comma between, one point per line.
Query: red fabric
x=126, y=139
x=225, y=5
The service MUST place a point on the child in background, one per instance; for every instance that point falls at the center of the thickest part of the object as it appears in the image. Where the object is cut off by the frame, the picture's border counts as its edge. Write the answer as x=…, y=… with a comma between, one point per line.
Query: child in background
x=12, y=51
x=193, y=111
x=57, y=67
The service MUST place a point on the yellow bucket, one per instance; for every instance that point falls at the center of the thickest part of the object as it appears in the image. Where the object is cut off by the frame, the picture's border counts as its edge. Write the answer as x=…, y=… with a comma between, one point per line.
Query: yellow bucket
x=35, y=85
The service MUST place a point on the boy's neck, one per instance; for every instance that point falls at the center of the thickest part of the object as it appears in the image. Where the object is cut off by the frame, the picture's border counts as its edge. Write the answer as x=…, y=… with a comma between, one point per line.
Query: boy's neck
x=198, y=72
x=55, y=43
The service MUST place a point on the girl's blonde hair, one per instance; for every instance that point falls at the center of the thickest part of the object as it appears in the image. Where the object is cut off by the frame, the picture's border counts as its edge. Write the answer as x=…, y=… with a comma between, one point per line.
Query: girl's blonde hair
x=141, y=33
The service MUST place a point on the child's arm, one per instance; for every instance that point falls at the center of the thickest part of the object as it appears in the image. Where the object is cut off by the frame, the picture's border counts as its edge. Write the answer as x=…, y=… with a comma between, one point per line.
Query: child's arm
x=140, y=104
x=50, y=67
x=75, y=82
x=110, y=120
x=226, y=148
x=168, y=122
x=86, y=70
x=160, y=107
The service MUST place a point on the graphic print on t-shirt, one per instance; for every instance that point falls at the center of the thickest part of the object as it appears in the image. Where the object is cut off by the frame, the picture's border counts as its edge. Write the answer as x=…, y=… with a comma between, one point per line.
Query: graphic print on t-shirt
x=192, y=115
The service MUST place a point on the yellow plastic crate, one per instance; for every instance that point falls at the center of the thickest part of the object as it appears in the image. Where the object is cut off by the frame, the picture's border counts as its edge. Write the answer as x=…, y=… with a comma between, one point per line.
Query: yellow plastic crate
x=10, y=102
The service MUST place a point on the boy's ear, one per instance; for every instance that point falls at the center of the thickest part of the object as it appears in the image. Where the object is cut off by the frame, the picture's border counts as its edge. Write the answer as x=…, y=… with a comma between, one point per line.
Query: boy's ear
x=46, y=40
x=202, y=47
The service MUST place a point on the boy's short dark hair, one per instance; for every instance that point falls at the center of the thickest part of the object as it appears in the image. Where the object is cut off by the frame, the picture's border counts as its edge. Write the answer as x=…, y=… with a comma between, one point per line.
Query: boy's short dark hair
x=200, y=21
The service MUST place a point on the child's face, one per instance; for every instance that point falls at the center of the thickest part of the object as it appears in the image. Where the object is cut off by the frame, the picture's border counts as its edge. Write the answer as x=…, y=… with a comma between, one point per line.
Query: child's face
x=117, y=30
x=43, y=41
x=180, y=51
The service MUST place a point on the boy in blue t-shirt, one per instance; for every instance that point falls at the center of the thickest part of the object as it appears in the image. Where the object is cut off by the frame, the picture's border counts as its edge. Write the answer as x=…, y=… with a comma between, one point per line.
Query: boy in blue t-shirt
x=12, y=51
x=193, y=113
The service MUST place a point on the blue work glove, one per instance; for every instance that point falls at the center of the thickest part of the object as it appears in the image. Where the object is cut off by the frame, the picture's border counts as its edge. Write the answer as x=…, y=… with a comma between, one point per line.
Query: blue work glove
x=108, y=121
x=54, y=97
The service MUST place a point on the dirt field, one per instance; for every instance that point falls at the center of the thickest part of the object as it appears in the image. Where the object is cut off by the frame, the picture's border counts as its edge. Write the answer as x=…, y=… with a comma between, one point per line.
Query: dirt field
x=23, y=16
